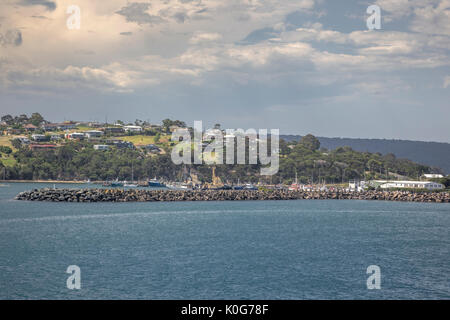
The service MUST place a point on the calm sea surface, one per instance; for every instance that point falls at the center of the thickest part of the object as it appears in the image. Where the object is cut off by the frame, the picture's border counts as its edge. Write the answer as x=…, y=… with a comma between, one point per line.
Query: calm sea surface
x=223, y=250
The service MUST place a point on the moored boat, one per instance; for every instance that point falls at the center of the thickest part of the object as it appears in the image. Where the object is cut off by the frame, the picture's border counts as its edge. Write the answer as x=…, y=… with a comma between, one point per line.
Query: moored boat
x=156, y=183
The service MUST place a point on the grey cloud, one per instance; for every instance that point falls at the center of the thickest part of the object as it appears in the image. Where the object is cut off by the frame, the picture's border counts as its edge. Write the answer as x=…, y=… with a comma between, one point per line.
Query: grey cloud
x=11, y=37
x=136, y=12
x=40, y=17
x=49, y=5
x=180, y=17
x=260, y=35
x=127, y=33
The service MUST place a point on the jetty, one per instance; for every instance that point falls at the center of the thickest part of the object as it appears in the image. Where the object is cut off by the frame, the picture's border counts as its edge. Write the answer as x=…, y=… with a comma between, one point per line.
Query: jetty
x=140, y=195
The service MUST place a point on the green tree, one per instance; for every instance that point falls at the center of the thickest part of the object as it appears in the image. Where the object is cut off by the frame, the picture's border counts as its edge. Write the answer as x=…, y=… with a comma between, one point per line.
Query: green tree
x=310, y=142
x=36, y=119
x=157, y=137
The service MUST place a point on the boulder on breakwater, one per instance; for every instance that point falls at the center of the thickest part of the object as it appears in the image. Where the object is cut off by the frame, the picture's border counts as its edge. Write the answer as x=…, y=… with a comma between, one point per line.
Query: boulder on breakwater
x=140, y=195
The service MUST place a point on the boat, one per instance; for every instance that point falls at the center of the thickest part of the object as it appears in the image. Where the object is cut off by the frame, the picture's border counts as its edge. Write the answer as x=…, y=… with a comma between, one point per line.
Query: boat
x=132, y=184
x=249, y=186
x=113, y=184
x=238, y=186
x=295, y=186
x=116, y=184
x=155, y=183
x=178, y=186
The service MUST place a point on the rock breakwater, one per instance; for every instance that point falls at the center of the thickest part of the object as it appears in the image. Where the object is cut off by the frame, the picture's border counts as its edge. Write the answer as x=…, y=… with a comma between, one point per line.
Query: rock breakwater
x=140, y=195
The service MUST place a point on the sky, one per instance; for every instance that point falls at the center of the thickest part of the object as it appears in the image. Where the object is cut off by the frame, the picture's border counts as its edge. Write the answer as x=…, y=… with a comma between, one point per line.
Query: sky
x=303, y=66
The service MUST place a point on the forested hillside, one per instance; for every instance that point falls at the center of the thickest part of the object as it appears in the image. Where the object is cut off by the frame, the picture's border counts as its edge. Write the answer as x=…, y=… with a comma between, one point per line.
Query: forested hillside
x=435, y=154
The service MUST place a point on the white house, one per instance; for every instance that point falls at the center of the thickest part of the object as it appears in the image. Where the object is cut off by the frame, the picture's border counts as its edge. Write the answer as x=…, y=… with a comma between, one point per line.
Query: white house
x=93, y=134
x=433, y=175
x=102, y=147
x=133, y=128
x=74, y=135
x=38, y=137
x=412, y=185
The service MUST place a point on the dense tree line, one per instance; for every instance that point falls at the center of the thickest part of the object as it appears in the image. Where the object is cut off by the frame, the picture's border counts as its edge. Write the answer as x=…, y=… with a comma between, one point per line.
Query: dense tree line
x=304, y=159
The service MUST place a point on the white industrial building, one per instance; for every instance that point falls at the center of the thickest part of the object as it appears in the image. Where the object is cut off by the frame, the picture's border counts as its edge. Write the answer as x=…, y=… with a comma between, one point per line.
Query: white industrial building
x=412, y=185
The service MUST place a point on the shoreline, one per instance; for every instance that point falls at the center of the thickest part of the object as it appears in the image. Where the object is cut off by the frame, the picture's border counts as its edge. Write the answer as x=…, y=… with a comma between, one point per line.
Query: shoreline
x=139, y=195
x=48, y=181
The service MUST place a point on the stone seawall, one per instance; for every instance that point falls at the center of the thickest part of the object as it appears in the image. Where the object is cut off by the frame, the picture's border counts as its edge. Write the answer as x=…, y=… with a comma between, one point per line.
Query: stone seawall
x=140, y=195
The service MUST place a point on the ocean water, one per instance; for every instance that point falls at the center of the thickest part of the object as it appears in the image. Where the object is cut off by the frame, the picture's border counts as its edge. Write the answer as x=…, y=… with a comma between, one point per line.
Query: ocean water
x=305, y=249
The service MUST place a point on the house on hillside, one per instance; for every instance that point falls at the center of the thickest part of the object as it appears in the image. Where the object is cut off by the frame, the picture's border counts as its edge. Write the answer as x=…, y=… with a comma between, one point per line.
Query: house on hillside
x=101, y=147
x=433, y=176
x=12, y=131
x=30, y=127
x=120, y=144
x=95, y=124
x=113, y=130
x=39, y=137
x=93, y=134
x=66, y=126
x=175, y=128
x=55, y=137
x=135, y=129
x=23, y=140
x=151, y=148
x=74, y=136
x=49, y=126
x=58, y=126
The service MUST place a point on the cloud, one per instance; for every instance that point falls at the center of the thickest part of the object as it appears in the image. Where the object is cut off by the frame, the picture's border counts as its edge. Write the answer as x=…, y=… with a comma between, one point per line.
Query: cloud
x=108, y=78
x=126, y=33
x=200, y=37
x=433, y=19
x=12, y=37
x=260, y=35
x=136, y=12
x=446, y=82
x=49, y=5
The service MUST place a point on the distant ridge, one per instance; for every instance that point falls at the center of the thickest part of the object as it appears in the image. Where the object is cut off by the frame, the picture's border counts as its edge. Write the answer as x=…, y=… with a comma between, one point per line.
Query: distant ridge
x=435, y=154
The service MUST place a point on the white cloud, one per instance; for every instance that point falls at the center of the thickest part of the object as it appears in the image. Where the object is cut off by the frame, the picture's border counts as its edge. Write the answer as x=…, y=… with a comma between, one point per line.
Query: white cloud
x=200, y=37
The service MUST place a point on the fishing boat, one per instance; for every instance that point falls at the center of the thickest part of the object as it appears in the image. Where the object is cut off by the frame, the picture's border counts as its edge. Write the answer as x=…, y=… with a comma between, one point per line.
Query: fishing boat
x=156, y=183
x=238, y=186
x=178, y=186
x=116, y=184
x=249, y=186
x=113, y=184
